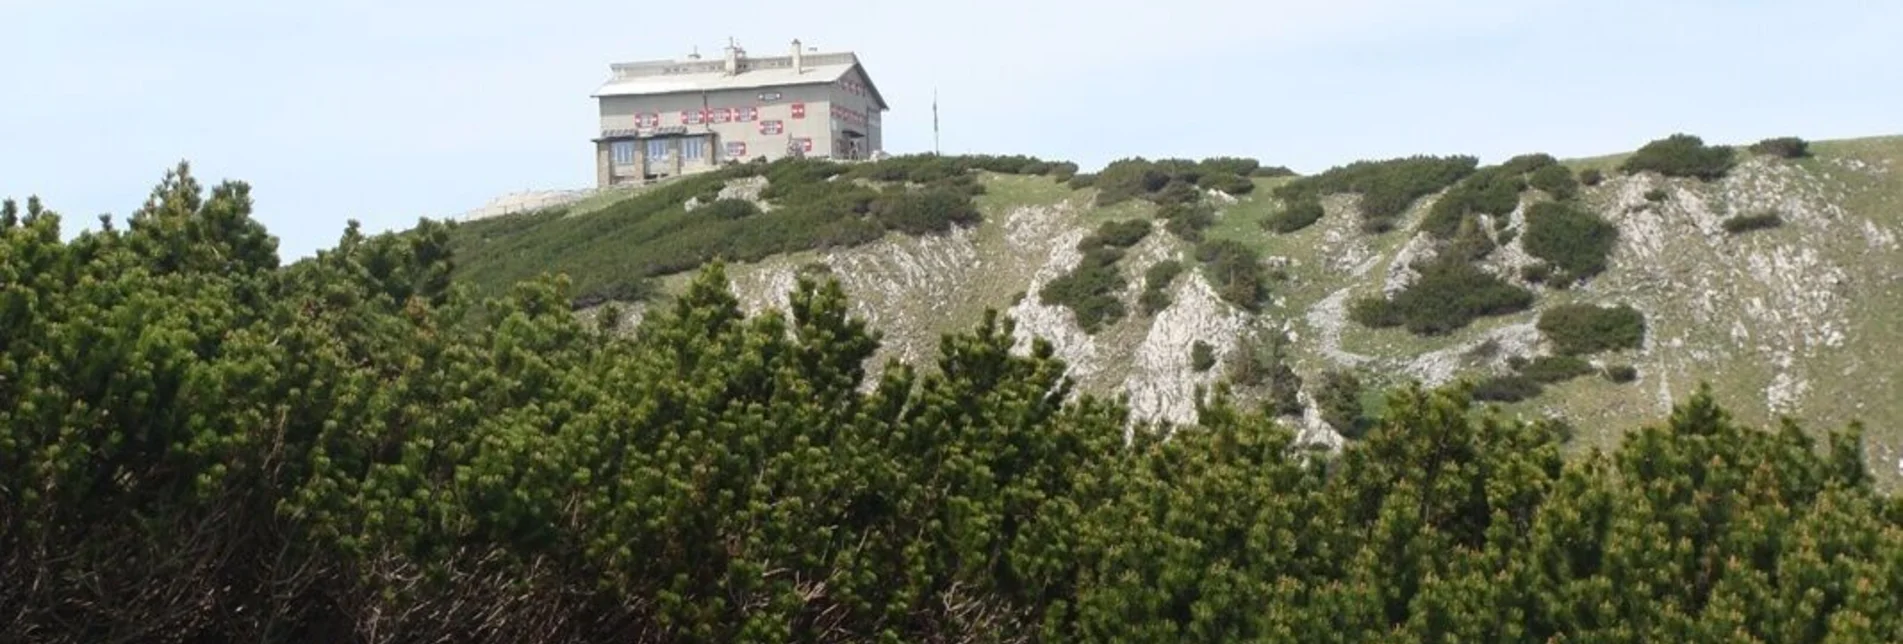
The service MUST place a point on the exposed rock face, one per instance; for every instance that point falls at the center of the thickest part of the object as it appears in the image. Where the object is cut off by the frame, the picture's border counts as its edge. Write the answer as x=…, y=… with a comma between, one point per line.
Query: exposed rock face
x=1776, y=317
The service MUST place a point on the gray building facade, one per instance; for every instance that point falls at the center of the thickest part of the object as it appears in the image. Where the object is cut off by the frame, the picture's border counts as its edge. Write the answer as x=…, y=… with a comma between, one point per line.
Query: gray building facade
x=668, y=118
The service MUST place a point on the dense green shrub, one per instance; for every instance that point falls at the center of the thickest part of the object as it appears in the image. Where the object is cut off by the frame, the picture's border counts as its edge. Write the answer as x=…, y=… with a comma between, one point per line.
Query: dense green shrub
x=1784, y=147
x=1235, y=270
x=1201, y=356
x=918, y=212
x=1176, y=193
x=1584, y=329
x=1536, y=273
x=1737, y=224
x=1081, y=181
x=1228, y=183
x=1492, y=191
x=1299, y=214
x=1622, y=373
x=1156, y=283
x=1261, y=360
x=1571, y=238
x=1061, y=170
x=1448, y=296
x=1090, y=290
x=728, y=209
x=1592, y=176
x=1126, y=179
x=1338, y=398
x=1507, y=389
x=1471, y=243
x=1271, y=172
x=1555, y=180
x=1116, y=234
x=1682, y=155
x=1528, y=163
x=1555, y=369
x=1238, y=166
x=1387, y=187
x=1656, y=195
x=1187, y=221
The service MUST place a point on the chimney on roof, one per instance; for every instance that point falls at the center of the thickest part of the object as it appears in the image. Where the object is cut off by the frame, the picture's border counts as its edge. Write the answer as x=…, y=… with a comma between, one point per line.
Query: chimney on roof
x=734, y=54
x=799, y=57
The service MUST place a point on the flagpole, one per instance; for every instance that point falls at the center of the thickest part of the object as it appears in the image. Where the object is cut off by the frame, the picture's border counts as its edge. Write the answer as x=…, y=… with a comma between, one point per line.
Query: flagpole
x=935, y=121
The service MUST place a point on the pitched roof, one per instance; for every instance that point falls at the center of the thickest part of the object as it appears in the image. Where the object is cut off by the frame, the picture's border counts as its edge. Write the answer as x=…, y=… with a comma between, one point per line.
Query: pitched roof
x=673, y=77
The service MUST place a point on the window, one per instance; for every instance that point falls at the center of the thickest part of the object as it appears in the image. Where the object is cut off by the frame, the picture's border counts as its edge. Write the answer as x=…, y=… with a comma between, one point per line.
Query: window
x=720, y=115
x=693, y=148
x=772, y=127
x=799, y=110
x=622, y=151
x=736, y=149
x=693, y=117
x=746, y=114
x=657, y=149
x=769, y=96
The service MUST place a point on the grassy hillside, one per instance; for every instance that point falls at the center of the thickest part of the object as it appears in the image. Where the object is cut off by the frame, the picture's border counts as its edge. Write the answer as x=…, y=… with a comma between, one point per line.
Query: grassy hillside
x=1785, y=315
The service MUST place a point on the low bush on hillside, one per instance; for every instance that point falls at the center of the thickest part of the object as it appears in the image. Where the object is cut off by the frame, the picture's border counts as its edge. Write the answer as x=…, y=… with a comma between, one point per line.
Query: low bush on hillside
x=1201, y=356
x=1571, y=238
x=1448, y=296
x=1656, y=195
x=1232, y=184
x=1236, y=272
x=1622, y=373
x=1471, y=243
x=1528, y=163
x=610, y=254
x=1585, y=329
x=1784, y=147
x=1555, y=369
x=1555, y=180
x=1090, y=290
x=1271, y=172
x=1299, y=214
x=1187, y=221
x=1387, y=187
x=1592, y=176
x=929, y=168
x=1238, y=166
x=1682, y=155
x=1536, y=273
x=1116, y=234
x=728, y=209
x=1746, y=223
x=1156, y=284
x=1492, y=191
x=1082, y=180
x=1261, y=360
x=1338, y=398
x=1507, y=389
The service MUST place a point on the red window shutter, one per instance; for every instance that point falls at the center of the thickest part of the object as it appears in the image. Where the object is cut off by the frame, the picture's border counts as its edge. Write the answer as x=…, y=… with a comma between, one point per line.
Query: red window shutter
x=799, y=110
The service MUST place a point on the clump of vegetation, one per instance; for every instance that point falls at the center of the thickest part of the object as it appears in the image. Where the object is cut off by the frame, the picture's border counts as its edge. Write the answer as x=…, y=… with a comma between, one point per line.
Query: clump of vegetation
x=1262, y=359
x=1090, y=290
x=1555, y=180
x=1272, y=172
x=1491, y=191
x=1585, y=329
x=1116, y=234
x=613, y=253
x=1448, y=296
x=1682, y=155
x=1235, y=270
x=933, y=168
x=1622, y=373
x=1082, y=180
x=1507, y=389
x=1554, y=369
x=1573, y=239
x=1201, y=356
x=1536, y=273
x=1387, y=187
x=1188, y=220
x=1156, y=284
x=1738, y=224
x=1139, y=178
x=1295, y=216
x=1592, y=176
x=1656, y=195
x=1784, y=147
x=1338, y=399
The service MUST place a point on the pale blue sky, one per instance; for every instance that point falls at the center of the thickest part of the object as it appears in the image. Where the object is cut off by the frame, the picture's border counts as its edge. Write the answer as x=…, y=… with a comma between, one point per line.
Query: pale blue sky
x=386, y=111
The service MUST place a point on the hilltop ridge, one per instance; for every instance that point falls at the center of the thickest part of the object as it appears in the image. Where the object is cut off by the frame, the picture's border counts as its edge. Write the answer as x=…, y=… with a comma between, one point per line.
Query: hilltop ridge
x=1766, y=273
